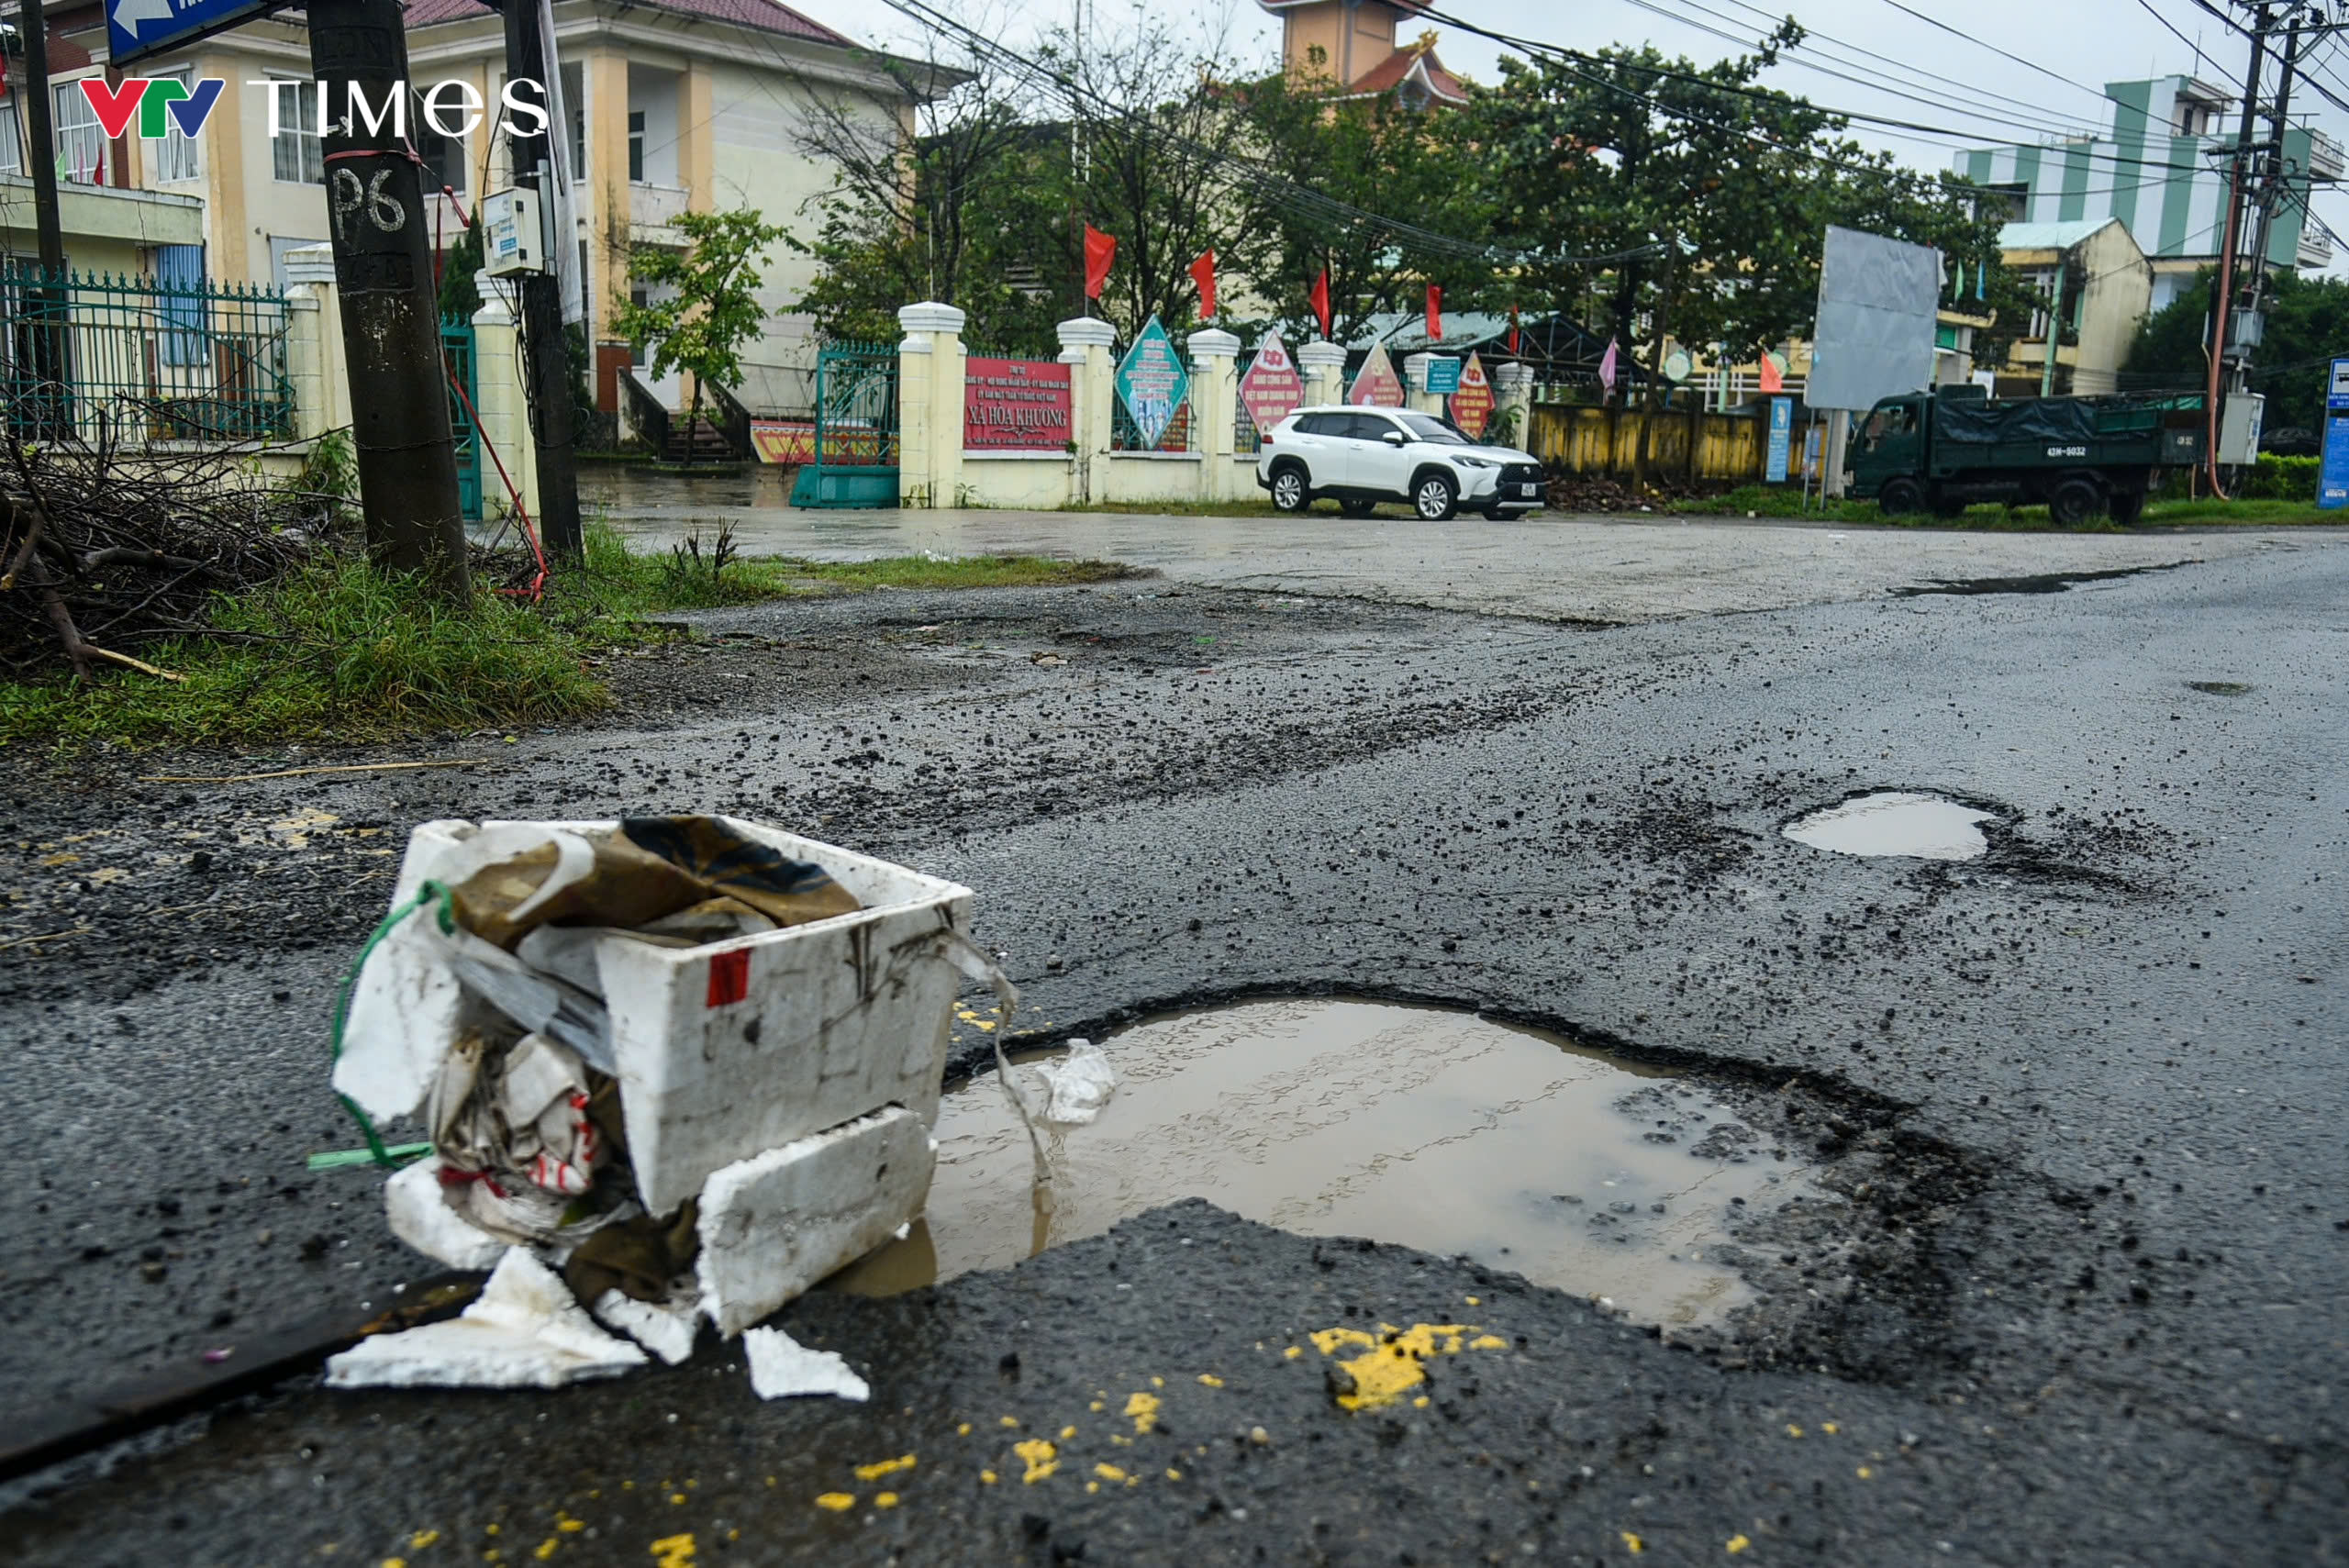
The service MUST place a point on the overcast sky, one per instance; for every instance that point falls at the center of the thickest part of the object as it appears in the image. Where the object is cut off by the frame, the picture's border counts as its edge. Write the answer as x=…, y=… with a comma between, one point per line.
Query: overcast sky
x=1965, y=87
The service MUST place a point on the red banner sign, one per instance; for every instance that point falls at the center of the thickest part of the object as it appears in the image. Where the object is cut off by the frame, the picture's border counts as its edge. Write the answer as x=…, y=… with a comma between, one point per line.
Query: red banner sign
x=1015, y=406
x=1377, y=384
x=1472, y=404
x=1271, y=387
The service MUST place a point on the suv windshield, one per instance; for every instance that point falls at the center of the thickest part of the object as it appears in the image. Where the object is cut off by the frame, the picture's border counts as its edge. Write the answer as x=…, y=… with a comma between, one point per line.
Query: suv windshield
x=1428, y=428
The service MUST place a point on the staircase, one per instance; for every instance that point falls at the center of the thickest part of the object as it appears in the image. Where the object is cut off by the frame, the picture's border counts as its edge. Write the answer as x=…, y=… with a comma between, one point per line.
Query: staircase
x=697, y=440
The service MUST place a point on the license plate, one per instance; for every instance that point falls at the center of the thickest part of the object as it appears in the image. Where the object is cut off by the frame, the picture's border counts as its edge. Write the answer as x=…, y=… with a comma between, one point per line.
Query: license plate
x=1529, y=489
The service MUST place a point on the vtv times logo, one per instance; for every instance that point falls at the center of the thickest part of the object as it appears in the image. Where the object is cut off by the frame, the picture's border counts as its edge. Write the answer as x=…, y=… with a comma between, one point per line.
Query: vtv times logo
x=165, y=104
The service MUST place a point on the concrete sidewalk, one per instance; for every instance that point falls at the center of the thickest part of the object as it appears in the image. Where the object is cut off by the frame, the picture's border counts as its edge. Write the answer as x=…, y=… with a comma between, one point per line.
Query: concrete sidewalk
x=1549, y=567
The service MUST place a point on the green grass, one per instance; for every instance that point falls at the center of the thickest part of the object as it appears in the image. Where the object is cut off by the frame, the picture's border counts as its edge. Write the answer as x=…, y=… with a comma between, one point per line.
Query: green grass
x=336, y=651
x=1777, y=501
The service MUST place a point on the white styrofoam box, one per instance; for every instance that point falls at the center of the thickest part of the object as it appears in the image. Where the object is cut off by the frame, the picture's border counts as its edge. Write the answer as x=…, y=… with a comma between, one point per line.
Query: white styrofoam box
x=523, y=1332
x=723, y=1051
x=775, y=1224
x=423, y=1219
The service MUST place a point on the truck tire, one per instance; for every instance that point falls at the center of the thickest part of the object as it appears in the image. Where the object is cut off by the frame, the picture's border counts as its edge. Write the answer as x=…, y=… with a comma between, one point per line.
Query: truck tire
x=2074, y=502
x=2128, y=507
x=1901, y=497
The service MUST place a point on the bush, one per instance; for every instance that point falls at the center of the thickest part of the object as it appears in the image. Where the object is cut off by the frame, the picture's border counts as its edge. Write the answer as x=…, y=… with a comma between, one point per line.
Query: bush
x=2274, y=478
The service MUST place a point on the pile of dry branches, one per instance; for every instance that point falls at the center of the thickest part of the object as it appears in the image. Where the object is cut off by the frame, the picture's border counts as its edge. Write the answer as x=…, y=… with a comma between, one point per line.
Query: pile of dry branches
x=103, y=550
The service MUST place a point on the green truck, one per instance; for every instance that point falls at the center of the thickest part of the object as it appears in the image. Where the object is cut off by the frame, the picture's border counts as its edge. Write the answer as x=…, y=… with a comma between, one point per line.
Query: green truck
x=1944, y=449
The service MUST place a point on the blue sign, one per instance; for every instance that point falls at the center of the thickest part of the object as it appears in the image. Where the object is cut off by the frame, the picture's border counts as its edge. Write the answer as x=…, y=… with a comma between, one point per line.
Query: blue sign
x=136, y=28
x=1443, y=373
x=1781, y=429
x=2333, y=466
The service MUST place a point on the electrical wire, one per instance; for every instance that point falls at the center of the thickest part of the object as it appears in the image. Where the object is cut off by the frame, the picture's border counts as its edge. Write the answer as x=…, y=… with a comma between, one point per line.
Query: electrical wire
x=1994, y=48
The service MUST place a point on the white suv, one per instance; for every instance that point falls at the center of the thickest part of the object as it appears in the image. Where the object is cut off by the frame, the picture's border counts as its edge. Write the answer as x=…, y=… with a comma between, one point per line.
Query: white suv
x=1360, y=456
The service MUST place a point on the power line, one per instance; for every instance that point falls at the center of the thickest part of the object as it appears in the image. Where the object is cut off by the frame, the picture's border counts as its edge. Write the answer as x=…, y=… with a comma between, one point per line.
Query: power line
x=2201, y=60
x=1994, y=48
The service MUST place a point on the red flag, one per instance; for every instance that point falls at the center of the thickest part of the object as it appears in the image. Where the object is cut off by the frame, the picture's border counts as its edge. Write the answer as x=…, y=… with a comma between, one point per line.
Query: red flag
x=1435, y=314
x=1320, y=298
x=1770, y=378
x=1203, y=274
x=1100, y=249
x=1512, y=328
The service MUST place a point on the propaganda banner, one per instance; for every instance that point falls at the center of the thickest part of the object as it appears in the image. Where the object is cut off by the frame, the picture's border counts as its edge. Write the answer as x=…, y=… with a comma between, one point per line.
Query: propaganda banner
x=786, y=442
x=1472, y=401
x=1152, y=383
x=1015, y=404
x=1377, y=385
x=1272, y=388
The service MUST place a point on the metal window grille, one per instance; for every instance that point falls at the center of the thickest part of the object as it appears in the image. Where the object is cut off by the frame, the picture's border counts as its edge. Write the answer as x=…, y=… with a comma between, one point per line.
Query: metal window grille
x=147, y=360
x=1125, y=438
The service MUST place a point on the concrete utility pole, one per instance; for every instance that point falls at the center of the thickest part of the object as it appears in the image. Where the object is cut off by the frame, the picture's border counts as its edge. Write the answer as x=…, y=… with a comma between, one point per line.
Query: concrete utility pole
x=48, y=303
x=2223, y=298
x=543, y=349
x=2272, y=185
x=390, y=319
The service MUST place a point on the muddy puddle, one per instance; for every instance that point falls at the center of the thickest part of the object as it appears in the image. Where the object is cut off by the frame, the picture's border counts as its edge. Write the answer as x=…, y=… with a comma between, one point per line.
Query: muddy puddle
x=1922, y=826
x=1432, y=1129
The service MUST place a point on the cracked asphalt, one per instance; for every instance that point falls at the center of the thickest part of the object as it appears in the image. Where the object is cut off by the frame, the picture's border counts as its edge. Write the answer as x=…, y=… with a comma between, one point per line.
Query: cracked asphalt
x=2080, y=1299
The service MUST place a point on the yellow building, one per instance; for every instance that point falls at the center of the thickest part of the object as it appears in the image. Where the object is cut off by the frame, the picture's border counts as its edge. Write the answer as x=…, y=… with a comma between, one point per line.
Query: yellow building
x=675, y=105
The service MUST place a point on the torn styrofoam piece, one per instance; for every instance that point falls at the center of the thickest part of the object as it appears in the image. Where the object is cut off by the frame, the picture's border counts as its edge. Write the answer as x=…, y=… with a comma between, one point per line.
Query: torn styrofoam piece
x=422, y=1217
x=525, y=1331
x=666, y=1329
x=1078, y=1083
x=781, y=1367
x=775, y=1224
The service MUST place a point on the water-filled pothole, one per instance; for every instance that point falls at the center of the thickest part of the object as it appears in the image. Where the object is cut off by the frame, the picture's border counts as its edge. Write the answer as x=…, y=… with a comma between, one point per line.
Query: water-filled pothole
x=1432, y=1129
x=1921, y=826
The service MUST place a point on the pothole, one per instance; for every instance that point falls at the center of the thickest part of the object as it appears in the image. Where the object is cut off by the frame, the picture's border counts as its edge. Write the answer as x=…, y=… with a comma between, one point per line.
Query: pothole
x=1922, y=826
x=2219, y=688
x=1427, y=1127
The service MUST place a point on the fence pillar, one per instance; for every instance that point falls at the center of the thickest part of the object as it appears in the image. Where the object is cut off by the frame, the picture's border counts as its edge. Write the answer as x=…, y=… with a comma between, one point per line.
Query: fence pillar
x=929, y=406
x=1324, y=365
x=501, y=413
x=313, y=347
x=1092, y=388
x=1415, y=396
x=1215, y=400
x=1513, y=403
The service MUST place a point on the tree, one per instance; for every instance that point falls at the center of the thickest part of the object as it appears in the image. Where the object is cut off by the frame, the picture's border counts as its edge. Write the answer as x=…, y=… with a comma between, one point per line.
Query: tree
x=709, y=305
x=2308, y=323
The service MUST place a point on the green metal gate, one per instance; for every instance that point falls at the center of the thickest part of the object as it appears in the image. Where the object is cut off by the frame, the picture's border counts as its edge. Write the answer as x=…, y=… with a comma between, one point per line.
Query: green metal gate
x=856, y=429
x=457, y=348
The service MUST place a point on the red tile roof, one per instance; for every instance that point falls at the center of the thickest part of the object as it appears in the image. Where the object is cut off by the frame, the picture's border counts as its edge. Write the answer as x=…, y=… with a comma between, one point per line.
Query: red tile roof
x=767, y=16
x=1388, y=74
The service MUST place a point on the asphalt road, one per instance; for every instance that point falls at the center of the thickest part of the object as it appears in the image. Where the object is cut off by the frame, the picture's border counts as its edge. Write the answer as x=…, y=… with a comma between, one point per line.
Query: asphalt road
x=2081, y=1297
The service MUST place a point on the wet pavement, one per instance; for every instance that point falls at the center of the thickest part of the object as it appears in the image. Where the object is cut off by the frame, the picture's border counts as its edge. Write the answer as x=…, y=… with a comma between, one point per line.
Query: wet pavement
x=1607, y=570
x=2075, y=1290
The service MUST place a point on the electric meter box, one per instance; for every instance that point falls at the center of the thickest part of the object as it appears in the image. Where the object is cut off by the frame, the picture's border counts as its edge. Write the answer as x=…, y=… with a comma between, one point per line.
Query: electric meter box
x=513, y=228
x=2239, y=428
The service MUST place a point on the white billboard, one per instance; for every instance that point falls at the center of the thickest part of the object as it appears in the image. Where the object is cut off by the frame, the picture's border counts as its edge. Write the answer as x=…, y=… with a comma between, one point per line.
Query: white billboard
x=1874, y=333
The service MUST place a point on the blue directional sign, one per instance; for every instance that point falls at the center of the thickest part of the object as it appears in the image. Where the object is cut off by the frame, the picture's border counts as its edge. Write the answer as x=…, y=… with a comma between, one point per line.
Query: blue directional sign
x=2333, y=466
x=138, y=28
x=1443, y=373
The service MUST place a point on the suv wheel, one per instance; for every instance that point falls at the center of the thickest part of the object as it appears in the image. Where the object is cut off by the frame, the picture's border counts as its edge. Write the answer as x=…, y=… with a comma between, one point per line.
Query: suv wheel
x=1434, y=498
x=1290, y=494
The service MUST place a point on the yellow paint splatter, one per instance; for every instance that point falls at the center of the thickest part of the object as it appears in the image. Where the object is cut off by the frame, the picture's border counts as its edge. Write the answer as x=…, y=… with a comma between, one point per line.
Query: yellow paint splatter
x=1211, y=1380
x=1067, y=1432
x=1471, y=1301
x=963, y=1430
x=1108, y=1473
x=1120, y=1439
x=881, y=1467
x=1293, y=1351
x=1390, y=1367
x=676, y=1497
x=489, y=1530
x=1488, y=1343
x=1097, y=1406
x=1420, y=1403
x=1143, y=1408
x=884, y=1500
x=1632, y=1543
x=545, y=1549
x=1158, y=1383
x=1173, y=1474
x=675, y=1551
x=1736, y=1544
x=422, y=1538
x=1830, y=1428
x=1040, y=1457
x=1093, y=1485
x=566, y=1524
x=394, y=1562
x=987, y=1476
x=1865, y=1473
x=838, y=1502
x=1793, y=1430
x=1008, y=1420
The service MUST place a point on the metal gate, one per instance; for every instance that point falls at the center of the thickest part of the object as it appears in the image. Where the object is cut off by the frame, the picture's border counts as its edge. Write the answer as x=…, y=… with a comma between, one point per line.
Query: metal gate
x=457, y=348
x=856, y=429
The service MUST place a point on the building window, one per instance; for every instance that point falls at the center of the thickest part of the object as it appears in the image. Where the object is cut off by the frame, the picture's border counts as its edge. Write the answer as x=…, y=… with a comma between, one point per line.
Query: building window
x=444, y=156
x=176, y=157
x=81, y=145
x=636, y=147
x=2012, y=201
x=579, y=142
x=12, y=151
x=298, y=155
x=640, y=354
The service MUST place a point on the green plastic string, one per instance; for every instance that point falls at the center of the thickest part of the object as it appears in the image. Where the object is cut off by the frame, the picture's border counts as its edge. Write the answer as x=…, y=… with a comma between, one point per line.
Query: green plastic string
x=375, y=1152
